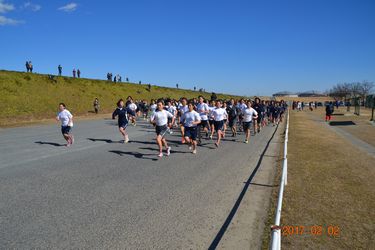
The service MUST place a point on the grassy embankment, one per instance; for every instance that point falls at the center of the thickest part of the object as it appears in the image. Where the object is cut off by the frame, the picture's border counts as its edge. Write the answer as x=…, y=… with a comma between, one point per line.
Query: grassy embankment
x=330, y=183
x=27, y=98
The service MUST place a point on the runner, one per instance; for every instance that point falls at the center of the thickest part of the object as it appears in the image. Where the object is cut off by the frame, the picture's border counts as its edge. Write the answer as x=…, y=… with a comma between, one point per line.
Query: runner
x=248, y=115
x=133, y=107
x=203, y=111
x=160, y=121
x=190, y=120
x=219, y=114
x=123, y=121
x=152, y=108
x=224, y=106
x=183, y=108
x=66, y=119
x=211, y=120
x=232, y=117
x=259, y=109
x=173, y=110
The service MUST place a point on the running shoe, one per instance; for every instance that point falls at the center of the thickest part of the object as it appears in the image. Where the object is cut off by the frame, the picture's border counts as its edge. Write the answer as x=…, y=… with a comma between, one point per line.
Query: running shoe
x=126, y=139
x=211, y=137
x=246, y=141
x=216, y=144
x=206, y=135
x=168, y=151
x=190, y=147
x=194, y=151
x=160, y=155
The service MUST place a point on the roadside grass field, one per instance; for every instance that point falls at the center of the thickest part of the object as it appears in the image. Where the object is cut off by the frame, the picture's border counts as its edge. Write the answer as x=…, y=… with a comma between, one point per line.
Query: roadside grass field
x=363, y=128
x=330, y=186
x=28, y=98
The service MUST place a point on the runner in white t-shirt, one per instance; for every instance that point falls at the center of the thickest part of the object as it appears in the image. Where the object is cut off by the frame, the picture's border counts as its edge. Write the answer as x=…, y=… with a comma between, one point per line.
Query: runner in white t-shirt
x=211, y=120
x=160, y=120
x=203, y=110
x=173, y=110
x=248, y=114
x=66, y=119
x=183, y=108
x=190, y=121
x=132, y=106
x=219, y=114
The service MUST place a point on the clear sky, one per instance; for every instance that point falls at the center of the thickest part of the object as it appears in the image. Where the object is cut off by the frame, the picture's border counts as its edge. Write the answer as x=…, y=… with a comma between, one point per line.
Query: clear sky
x=235, y=46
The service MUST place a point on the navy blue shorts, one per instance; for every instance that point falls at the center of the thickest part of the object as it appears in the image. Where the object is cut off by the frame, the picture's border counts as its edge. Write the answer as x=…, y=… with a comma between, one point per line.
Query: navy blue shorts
x=246, y=125
x=232, y=122
x=218, y=125
x=65, y=130
x=161, y=130
x=211, y=122
x=123, y=125
x=191, y=132
x=204, y=124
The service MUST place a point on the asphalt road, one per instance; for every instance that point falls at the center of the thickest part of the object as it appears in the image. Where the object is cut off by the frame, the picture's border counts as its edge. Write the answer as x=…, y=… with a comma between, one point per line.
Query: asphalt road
x=103, y=194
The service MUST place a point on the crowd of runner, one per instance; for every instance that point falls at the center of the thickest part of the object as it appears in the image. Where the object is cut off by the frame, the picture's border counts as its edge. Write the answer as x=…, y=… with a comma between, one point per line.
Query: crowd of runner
x=194, y=119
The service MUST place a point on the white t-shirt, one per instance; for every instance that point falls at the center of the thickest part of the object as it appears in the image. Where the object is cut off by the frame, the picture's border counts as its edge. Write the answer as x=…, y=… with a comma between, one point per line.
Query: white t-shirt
x=153, y=107
x=64, y=117
x=172, y=109
x=161, y=117
x=248, y=114
x=132, y=106
x=210, y=115
x=219, y=114
x=202, y=108
x=242, y=106
x=189, y=117
x=184, y=109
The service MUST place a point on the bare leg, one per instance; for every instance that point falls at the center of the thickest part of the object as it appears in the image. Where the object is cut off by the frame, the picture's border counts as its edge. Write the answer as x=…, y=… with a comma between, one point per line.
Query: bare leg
x=159, y=141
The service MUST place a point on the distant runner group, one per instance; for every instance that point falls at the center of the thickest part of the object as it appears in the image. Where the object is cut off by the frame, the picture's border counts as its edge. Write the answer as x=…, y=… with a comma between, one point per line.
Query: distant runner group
x=193, y=118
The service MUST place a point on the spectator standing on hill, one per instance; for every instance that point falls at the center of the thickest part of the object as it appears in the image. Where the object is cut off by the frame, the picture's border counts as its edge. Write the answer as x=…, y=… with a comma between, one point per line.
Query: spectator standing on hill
x=213, y=97
x=149, y=87
x=30, y=67
x=119, y=78
x=78, y=73
x=127, y=79
x=177, y=85
x=114, y=79
x=60, y=69
x=27, y=66
x=74, y=73
x=96, y=105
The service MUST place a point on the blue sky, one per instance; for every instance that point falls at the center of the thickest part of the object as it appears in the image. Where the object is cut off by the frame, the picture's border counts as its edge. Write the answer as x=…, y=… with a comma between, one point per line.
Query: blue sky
x=240, y=47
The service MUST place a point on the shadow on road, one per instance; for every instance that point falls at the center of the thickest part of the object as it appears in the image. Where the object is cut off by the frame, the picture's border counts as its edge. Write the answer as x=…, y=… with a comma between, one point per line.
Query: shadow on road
x=135, y=154
x=103, y=140
x=262, y=185
x=49, y=143
x=236, y=205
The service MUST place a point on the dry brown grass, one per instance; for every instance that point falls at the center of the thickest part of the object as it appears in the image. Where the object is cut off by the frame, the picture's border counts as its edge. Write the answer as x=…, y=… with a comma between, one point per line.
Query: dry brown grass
x=362, y=129
x=327, y=185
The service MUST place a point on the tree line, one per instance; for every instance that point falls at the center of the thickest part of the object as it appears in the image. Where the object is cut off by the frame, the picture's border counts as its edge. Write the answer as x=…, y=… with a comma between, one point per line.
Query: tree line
x=352, y=90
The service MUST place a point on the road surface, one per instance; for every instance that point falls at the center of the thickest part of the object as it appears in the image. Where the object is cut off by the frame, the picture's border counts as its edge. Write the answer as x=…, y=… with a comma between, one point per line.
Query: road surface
x=103, y=194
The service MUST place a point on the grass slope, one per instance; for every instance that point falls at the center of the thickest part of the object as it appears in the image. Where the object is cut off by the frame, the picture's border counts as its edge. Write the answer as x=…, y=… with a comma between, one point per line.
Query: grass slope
x=26, y=97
